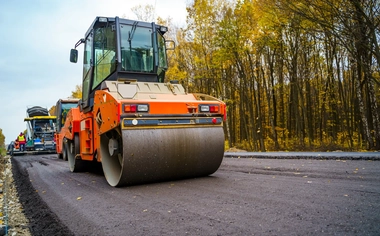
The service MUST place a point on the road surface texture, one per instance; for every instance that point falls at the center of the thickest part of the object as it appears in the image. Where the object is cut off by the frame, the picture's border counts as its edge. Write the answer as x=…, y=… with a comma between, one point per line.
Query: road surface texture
x=246, y=196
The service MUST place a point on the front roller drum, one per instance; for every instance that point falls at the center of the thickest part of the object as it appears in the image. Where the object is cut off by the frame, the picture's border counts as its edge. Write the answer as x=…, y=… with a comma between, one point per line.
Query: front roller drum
x=152, y=155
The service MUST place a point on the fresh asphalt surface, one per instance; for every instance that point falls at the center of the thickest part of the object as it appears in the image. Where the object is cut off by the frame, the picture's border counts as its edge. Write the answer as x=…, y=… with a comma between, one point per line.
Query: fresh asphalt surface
x=250, y=194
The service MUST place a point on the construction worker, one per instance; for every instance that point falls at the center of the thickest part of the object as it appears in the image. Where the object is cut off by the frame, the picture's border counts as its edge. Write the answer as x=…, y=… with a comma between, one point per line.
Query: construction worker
x=21, y=140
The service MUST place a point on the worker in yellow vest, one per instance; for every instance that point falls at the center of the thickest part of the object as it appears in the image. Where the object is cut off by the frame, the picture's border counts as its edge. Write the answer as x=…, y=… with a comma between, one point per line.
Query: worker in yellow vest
x=22, y=141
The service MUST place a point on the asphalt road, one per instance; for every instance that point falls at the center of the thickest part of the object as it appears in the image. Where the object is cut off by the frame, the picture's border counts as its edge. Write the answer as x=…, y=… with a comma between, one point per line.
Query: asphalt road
x=246, y=196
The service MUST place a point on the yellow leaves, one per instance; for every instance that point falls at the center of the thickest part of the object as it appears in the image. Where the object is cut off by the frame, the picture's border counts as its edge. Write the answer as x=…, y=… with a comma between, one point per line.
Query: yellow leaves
x=174, y=73
x=268, y=15
x=171, y=185
x=144, y=12
x=2, y=137
x=77, y=93
x=52, y=110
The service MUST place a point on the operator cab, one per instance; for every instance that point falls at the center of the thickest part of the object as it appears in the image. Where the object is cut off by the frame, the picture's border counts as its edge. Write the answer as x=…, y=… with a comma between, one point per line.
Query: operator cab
x=120, y=49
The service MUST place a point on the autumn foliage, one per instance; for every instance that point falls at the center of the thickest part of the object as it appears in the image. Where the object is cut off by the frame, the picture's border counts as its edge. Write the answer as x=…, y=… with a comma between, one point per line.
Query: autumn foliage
x=296, y=75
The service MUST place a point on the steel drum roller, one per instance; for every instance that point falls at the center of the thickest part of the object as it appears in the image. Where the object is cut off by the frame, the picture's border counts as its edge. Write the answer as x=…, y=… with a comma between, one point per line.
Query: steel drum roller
x=151, y=155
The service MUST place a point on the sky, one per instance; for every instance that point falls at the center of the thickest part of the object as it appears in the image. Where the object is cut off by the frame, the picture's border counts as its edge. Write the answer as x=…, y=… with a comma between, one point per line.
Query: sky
x=35, y=41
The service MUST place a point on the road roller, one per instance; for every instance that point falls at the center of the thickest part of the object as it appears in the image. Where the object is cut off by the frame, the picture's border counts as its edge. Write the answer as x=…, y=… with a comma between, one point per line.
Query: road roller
x=62, y=107
x=137, y=126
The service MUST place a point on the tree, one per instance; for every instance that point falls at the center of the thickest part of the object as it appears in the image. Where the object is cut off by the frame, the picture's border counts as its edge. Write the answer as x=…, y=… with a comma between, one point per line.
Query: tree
x=355, y=26
x=77, y=93
x=2, y=143
x=52, y=111
x=144, y=12
x=295, y=74
x=2, y=138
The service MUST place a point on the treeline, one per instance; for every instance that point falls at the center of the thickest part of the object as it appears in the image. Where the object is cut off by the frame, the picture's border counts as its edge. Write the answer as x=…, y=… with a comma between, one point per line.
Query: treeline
x=2, y=144
x=296, y=75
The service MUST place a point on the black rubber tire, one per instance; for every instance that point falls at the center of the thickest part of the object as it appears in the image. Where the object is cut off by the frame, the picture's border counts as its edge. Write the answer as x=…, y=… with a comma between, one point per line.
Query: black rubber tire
x=64, y=150
x=75, y=164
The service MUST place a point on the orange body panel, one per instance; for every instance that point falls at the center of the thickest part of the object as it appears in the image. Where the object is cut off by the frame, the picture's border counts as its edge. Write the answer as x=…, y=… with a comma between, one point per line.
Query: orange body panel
x=179, y=107
x=107, y=111
x=72, y=124
x=106, y=115
x=86, y=136
x=59, y=142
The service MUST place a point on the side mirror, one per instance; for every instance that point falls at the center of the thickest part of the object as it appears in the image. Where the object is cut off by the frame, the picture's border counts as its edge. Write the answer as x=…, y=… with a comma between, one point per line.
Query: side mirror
x=73, y=55
x=170, y=44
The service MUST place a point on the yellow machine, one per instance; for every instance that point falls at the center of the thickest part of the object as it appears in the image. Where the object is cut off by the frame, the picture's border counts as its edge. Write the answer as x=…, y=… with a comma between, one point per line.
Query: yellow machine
x=40, y=129
x=141, y=129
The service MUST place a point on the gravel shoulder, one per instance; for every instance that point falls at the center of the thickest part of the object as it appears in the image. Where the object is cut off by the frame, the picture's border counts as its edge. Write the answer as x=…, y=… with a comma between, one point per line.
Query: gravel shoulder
x=23, y=212
x=12, y=218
